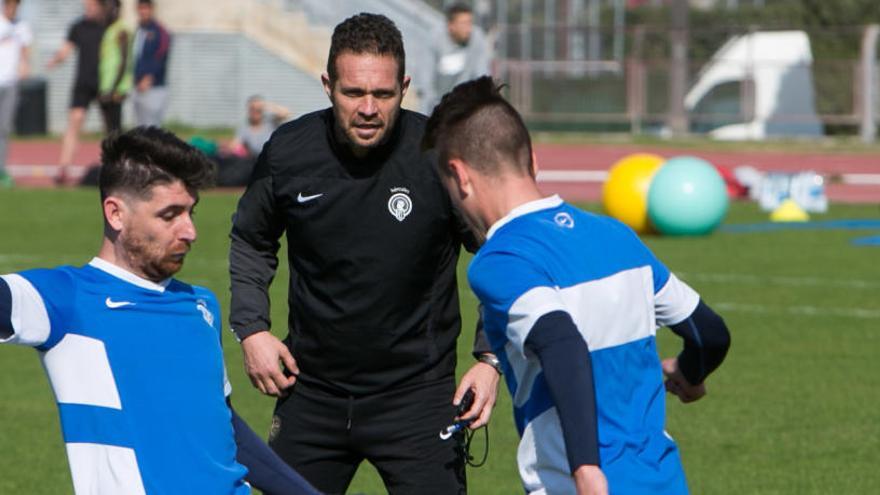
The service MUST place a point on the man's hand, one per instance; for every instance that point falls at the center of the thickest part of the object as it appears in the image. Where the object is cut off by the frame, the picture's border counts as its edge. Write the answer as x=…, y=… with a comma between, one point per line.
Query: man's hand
x=589, y=480
x=677, y=384
x=263, y=355
x=483, y=380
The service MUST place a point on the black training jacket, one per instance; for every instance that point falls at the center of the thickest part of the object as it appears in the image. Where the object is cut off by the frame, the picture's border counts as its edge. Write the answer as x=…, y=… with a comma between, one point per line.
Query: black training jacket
x=373, y=246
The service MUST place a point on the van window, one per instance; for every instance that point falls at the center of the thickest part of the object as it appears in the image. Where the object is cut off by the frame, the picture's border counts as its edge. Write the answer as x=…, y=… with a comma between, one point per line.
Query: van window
x=721, y=106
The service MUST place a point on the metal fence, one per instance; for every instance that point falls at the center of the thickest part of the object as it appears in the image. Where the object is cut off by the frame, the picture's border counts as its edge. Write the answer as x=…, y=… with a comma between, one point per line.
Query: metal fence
x=772, y=76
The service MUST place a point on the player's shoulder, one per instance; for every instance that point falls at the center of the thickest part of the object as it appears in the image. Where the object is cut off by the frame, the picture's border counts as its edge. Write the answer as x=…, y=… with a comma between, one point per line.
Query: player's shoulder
x=204, y=299
x=595, y=227
x=499, y=277
x=613, y=245
x=207, y=295
x=501, y=265
x=58, y=279
x=195, y=291
x=57, y=288
x=558, y=230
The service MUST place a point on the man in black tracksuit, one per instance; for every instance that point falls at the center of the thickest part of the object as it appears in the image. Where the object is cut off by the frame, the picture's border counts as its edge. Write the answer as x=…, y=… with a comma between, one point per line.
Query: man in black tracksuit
x=373, y=243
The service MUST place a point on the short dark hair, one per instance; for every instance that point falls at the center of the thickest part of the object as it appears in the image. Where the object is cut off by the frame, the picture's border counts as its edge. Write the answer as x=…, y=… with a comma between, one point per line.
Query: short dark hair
x=367, y=33
x=145, y=2
x=135, y=161
x=457, y=8
x=474, y=123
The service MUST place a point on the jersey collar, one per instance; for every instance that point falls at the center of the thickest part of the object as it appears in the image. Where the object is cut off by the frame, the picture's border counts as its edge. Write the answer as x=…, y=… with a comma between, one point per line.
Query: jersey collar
x=524, y=209
x=121, y=273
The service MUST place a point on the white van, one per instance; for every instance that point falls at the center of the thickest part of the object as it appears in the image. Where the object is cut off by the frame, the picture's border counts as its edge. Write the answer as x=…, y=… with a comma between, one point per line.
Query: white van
x=756, y=86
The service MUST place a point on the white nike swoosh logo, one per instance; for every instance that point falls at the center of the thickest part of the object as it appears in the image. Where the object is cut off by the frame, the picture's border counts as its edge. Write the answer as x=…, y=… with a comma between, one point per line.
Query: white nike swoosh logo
x=303, y=199
x=117, y=304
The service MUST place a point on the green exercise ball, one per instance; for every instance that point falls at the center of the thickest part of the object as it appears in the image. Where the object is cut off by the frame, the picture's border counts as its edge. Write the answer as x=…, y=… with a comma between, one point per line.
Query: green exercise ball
x=687, y=197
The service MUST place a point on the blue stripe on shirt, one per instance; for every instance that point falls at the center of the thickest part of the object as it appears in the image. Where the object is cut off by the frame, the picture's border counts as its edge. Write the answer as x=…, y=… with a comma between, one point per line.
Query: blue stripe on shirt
x=93, y=424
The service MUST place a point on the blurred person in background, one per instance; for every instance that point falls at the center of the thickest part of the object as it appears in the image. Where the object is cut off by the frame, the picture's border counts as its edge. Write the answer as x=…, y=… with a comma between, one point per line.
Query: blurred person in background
x=235, y=164
x=151, y=47
x=263, y=117
x=458, y=54
x=84, y=36
x=15, y=40
x=115, y=76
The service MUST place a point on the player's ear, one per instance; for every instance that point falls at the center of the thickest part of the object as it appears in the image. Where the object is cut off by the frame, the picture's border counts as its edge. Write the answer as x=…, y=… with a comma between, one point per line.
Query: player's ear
x=461, y=177
x=328, y=86
x=114, y=212
x=534, y=168
x=405, y=86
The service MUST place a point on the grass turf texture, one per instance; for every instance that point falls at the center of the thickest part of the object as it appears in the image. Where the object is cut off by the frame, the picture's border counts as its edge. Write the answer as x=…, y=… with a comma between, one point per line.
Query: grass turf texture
x=794, y=409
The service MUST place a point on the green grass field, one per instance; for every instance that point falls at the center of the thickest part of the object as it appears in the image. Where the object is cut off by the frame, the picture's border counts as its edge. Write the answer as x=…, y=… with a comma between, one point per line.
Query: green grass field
x=794, y=409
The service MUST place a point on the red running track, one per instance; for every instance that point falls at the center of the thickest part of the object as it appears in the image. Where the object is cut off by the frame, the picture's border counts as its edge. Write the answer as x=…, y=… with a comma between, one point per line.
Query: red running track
x=31, y=162
x=601, y=157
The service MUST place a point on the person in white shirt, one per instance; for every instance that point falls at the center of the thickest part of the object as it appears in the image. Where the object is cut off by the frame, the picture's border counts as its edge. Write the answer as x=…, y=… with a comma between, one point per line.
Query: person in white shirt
x=15, y=40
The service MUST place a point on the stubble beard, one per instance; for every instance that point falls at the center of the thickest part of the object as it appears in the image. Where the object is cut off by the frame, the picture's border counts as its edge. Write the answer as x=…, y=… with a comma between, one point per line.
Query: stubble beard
x=143, y=255
x=349, y=136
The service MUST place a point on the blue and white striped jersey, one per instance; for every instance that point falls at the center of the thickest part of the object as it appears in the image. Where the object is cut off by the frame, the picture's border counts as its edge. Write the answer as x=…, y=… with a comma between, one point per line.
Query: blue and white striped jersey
x=547, y=256
x=137, y=371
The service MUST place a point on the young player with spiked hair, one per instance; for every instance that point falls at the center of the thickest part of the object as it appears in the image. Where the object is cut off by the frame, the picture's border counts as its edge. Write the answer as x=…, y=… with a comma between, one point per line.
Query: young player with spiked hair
x=571, y=304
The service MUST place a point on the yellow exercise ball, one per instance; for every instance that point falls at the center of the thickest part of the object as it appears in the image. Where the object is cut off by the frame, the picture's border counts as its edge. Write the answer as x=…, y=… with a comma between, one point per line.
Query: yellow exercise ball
x=625, y=193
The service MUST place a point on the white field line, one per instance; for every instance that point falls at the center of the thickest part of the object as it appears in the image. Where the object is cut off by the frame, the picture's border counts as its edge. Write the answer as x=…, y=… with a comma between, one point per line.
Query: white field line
x=44, y=170
x=861, y=313
x=572, y=175
x=14, y=258
x=861, y=179
x=791, y=281
x=602, y=175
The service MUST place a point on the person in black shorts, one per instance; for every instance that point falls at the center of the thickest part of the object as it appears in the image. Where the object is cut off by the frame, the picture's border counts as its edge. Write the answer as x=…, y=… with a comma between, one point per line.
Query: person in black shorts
x=373, y=243
x=84, y=37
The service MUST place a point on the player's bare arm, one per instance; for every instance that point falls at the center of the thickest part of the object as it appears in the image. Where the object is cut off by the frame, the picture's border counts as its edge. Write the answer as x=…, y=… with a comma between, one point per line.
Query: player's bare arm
x=589, y=480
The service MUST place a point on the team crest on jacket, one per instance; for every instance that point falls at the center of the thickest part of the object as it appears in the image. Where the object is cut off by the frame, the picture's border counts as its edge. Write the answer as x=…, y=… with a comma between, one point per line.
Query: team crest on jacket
x=564, y=220
x=400, y=204
x=202, y=306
